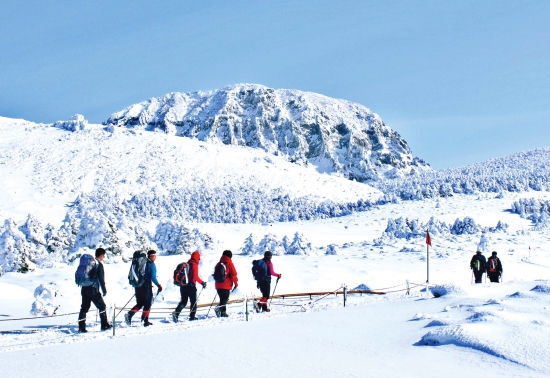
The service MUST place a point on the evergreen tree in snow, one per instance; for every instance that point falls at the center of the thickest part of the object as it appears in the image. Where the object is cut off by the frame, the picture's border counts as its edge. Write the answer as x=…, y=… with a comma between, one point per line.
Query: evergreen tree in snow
x=299, y=246
x=270, y=243
x=483, y=244
x=249, y=247
x=332, y=249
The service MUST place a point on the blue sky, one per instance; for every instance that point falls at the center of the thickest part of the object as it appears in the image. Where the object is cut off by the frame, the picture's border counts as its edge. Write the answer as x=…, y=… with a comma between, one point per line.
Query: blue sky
x=461, y=81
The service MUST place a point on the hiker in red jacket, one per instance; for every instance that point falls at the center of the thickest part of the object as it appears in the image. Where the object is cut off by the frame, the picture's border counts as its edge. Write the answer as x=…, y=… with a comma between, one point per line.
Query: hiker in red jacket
x=229, y=283
x=189, y=291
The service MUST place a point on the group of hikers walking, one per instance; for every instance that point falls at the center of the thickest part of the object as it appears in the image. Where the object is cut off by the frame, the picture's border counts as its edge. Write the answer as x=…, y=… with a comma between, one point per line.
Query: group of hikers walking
x=143, y=274
x=491, y=266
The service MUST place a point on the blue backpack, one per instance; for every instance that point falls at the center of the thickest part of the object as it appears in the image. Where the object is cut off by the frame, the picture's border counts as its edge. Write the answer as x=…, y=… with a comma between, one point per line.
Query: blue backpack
x=86, y=272
x=259, y=269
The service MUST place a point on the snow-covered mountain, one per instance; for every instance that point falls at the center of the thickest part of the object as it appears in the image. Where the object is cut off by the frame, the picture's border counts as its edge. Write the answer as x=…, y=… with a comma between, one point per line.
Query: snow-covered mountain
x=307, y=128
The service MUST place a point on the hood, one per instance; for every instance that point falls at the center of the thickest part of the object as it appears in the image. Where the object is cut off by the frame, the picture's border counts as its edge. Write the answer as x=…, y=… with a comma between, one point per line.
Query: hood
x=225, y=259
x=196, y=256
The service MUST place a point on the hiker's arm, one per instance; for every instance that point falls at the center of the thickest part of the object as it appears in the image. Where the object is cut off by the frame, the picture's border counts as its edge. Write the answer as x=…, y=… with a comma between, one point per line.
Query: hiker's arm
x=154, y=274
x=102, y=279
x=271, y=271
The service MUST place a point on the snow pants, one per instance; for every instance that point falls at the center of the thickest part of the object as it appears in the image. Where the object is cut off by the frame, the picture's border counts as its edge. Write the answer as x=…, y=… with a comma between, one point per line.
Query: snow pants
x=494, y=277
x=265, y=288
x=478, y=274
x=188, y=292
x=91, y=294
x=224, y=298
x=144, y=298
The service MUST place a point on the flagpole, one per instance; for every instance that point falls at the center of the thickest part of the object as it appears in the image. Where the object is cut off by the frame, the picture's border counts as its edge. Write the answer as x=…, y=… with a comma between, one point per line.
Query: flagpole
x=428, y=243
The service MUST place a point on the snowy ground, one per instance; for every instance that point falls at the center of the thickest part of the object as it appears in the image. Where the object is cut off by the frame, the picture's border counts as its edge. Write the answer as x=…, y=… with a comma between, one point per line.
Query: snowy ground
x=490, y=329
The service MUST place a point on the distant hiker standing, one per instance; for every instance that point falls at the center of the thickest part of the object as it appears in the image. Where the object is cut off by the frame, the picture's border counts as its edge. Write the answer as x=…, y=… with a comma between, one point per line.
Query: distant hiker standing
x=91, y=276
x=143, y=274
x=226, y=279
x=478, y=264
x=262, y=271
x=188, y=291
x=494, y=268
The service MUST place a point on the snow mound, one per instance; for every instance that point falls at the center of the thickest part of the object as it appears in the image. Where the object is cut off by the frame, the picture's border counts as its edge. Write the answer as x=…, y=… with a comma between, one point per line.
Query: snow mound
x=45, y=303
x=75, y=123
x=362, y=287
x=542, y=288
x=446, y=289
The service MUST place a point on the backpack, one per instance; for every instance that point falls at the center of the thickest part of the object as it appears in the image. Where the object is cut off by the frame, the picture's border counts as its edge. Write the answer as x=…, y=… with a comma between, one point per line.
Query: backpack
x=180, y=274
x=136, y=276
x=492, y=265
x=220, y=272
x=258, y=269
x=85, y=274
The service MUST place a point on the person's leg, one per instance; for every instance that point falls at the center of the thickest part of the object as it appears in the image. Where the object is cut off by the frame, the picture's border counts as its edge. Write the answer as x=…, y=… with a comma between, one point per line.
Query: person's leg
x=100, y=304
x=265, y=288
x=84, y=307
x=148, y=299
x=140, y=301
x=192, y=290
x=478, y=275
x=224, y=298
x=183, y=302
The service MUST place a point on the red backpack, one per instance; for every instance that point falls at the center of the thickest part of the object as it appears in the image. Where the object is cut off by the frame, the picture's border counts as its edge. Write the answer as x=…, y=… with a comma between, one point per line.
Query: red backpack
x=181, y=274
x=492, y=265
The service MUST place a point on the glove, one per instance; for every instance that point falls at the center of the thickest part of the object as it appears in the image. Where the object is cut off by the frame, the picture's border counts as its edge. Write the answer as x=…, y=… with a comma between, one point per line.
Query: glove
x=105, y=293
x=203, y=285
x=279, y=276
x=159, y=287
x=235, y=287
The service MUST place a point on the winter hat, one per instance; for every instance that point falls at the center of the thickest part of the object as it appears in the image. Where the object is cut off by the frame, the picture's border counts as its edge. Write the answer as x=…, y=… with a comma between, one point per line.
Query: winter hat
x=227, y=253
x=494, y=253
x=268, y=254
x=151, y=252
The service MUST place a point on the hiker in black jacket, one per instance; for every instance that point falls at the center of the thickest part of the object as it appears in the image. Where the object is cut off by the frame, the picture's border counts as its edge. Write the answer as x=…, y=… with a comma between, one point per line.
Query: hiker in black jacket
x=91, y=294
x=494, y=268
x=478, y=264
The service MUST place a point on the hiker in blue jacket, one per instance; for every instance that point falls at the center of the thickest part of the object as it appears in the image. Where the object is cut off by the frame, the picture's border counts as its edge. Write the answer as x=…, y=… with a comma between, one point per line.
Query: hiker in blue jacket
x=144, y=293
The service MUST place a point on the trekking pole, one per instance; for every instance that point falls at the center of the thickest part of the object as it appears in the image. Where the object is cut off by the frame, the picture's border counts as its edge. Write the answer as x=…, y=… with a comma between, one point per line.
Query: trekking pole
x=197, y=301
x=271, y=299
x=472, y=280
x=123, y=307
x=211, y=304
x=114, y=323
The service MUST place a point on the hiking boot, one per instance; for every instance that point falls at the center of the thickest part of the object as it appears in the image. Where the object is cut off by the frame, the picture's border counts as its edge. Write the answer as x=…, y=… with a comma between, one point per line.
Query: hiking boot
x=107, y=326
x=191, y=318
x=224, y=314
x=128, y=318
x=175, y=317
x=218, y=312
x=146, y=322
x=82, y=330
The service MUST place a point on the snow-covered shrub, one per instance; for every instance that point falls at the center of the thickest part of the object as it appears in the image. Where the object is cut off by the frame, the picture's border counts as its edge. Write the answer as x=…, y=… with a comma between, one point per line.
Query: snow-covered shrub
x=75, y=123
x=176, y=239
x=332, y=249
x=270, y=243
x=45, y=302
x=249, y=247
x=446, y=289
x=362, y=287
x=465, y=226
x=23, y=247
x=299, y=246
x=483, y=244
x=534, y=209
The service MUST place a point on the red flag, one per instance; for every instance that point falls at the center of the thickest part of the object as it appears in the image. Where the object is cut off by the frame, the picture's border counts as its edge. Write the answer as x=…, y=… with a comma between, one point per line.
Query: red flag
x=428, y=239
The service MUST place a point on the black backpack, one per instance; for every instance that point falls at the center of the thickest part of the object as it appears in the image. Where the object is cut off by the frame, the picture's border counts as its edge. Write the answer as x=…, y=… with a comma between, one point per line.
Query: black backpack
x=258, y=269
x=180, y=274
x=136, y=276
x=220, y=272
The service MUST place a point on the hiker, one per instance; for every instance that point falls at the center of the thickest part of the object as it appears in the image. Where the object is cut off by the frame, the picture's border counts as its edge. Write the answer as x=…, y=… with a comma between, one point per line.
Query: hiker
x=90, y=293
x=478, y=264
x=494, y=268
x=144, y=292
x=189, y=290
x=226, y=279
x=263, y=279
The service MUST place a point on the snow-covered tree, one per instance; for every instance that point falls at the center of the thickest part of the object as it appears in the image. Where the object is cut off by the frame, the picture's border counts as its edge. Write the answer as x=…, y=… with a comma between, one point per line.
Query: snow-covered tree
x=271, y=243
x=249, y=247
x=299, y=246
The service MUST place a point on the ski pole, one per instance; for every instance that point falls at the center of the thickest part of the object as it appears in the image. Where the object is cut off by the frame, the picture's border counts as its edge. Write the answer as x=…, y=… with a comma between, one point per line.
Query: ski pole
x=123, y=307
x=212, y=304
x=197, y=301
x=276, y=282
